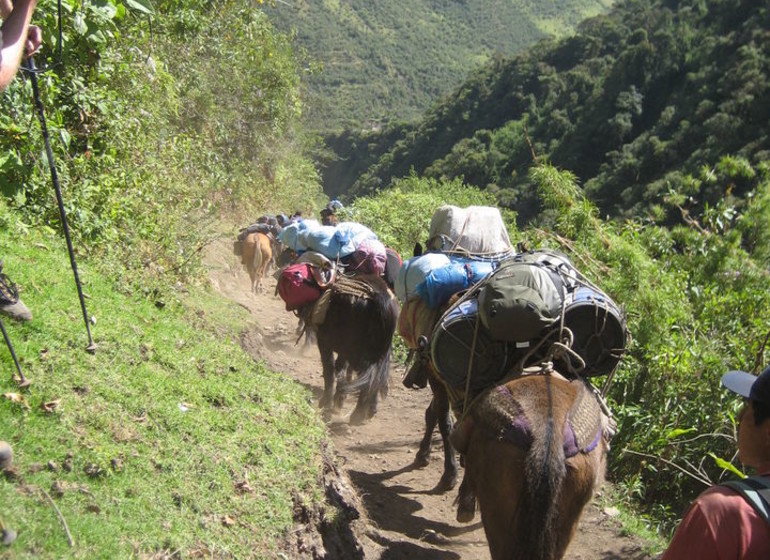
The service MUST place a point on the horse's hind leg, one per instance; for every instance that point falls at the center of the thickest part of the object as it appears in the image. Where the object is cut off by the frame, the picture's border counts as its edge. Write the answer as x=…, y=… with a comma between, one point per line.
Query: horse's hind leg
x=327, y=362
x=466, y=502
x=366, y=407
x=255, y=267
x=340, y=366
x=441, y=403
x=438, y=413
x=423, y=453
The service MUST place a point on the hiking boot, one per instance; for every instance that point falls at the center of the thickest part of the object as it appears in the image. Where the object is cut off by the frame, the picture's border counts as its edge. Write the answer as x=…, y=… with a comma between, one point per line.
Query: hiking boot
x=10, y=304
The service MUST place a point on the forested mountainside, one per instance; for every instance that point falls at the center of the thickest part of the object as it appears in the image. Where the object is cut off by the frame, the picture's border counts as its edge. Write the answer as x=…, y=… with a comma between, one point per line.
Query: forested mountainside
x=381, y=61
x=635, y=104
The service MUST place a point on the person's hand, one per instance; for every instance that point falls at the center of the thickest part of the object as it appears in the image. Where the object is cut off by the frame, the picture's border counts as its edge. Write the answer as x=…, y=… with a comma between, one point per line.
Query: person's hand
x=34, y=40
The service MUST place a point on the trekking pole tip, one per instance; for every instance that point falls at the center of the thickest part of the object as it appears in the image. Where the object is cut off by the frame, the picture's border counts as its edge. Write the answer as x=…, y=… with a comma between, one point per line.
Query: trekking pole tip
x=23, y=383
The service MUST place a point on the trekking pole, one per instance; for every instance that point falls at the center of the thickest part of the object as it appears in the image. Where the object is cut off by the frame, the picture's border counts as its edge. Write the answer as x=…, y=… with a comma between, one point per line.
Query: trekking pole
x=49, y=154
x=22, y=381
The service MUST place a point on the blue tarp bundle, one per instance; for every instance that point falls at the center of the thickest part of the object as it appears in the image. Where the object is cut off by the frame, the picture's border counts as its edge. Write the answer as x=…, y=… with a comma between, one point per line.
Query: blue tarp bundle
x=331, y=241
x=414, y=271
x=322, y=240
x=349, y=235
x=434, y=277
x=459, y=274
x=289, y=236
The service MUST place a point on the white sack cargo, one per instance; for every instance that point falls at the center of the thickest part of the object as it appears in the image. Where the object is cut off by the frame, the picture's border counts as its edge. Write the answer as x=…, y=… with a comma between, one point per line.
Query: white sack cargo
x=476, y=231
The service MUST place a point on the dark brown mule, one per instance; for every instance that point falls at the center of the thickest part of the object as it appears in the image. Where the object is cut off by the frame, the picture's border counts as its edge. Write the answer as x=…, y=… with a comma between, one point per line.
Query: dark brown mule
x=358, y=319
x=438, y=413
x=256, y=256
x=534, y=450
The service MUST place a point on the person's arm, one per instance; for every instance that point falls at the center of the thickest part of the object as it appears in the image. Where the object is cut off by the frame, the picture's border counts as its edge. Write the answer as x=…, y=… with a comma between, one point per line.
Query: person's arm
x=5, y=8
x=14, y=37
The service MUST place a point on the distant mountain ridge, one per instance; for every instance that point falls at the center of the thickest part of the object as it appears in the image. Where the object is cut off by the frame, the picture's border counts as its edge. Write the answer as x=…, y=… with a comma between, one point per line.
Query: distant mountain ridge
x=636, y=104
x=389, y=60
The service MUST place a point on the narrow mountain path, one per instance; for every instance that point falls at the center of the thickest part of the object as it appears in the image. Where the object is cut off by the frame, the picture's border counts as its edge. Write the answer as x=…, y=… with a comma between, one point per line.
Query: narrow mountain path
x=405, y=517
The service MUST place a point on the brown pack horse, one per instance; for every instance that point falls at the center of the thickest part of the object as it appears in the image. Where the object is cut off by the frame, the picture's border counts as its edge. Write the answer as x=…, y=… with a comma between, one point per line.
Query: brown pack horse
x=256, y=256
x=534, y=450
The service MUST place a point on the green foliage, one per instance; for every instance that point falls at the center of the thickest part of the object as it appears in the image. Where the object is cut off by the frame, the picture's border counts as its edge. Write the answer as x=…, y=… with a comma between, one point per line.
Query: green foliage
x=138, y=125
x=634, y=103
x=380, y=61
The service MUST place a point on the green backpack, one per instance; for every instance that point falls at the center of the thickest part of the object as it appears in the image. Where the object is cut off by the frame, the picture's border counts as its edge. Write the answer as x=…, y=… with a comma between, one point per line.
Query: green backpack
x=520, y=299
x=756, y=490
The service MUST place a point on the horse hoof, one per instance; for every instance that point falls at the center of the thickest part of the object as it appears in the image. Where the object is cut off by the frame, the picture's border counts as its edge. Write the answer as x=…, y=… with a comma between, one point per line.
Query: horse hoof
x=358, y=418
x=465, y=514
x=421, y=460
x=446, y=483
x=325, y=403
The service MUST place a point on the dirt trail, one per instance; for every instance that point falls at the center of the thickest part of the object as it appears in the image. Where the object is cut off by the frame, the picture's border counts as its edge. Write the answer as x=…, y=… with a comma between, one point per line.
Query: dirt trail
x=406, y=517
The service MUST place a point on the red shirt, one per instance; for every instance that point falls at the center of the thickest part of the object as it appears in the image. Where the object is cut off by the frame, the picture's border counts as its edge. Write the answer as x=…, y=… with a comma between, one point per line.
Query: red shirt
x=721, y=525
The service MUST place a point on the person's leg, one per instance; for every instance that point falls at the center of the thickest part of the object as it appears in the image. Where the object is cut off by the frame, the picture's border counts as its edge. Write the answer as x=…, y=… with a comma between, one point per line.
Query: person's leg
x=10, y=303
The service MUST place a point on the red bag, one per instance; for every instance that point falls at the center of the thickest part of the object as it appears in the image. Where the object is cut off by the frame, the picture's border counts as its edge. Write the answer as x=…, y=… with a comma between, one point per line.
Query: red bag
x=297, y=287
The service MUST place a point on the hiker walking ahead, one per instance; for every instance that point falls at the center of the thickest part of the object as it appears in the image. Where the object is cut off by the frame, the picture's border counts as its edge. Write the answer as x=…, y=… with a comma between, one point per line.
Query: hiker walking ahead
x=723, y=523
x=16, y=36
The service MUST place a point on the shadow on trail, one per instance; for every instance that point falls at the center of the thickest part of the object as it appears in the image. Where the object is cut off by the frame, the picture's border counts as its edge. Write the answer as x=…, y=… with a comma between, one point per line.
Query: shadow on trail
x=626, y=553
x=397, y=511
x=400, y=550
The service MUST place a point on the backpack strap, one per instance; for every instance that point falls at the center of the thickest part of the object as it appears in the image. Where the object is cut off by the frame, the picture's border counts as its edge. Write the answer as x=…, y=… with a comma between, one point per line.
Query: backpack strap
x=756, y=491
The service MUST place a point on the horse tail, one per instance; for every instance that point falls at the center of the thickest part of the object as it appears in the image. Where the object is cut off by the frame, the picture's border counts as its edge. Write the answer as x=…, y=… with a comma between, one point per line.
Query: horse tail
x=372, y=380
x=544, y=473
x=266, y=248
x=382, y=315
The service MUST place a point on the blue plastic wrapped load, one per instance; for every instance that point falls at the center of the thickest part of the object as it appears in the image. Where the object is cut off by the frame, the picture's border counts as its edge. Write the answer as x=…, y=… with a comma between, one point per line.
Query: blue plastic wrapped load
x=414, y=271
x=442, y=282
x=321, y=239
x=478, y=269
x=331, y=241
x=290, y=237
x=349, y=235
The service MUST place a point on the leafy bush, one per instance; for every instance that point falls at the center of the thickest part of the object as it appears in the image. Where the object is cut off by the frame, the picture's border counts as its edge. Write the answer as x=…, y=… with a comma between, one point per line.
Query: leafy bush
x=139, y=126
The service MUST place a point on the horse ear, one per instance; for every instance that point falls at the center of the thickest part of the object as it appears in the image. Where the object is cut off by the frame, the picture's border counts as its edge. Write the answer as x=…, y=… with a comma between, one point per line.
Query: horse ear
x=417, y=249
x=461, y=433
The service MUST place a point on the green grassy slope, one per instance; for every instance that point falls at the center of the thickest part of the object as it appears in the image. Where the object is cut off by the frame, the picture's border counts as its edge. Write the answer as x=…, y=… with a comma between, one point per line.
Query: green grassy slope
x=386, y=60
x=168, y=438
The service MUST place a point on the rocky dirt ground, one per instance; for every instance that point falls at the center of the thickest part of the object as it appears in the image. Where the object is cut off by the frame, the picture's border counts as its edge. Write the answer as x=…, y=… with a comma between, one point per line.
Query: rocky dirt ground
x=399, y=514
